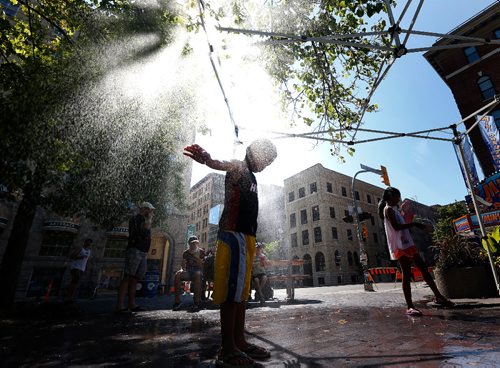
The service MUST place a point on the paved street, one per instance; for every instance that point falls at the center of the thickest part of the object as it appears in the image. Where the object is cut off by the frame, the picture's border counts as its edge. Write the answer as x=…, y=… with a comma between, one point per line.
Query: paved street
x=342, y=326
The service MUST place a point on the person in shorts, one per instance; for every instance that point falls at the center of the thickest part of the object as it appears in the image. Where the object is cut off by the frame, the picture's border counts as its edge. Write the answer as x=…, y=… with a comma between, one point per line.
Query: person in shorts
x=139, y=242
x=191, y=270
x=79, y=258
x=236, y=248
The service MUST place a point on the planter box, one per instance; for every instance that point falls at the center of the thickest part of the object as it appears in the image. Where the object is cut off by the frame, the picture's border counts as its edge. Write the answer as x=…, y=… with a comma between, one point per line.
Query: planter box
x=463, y=283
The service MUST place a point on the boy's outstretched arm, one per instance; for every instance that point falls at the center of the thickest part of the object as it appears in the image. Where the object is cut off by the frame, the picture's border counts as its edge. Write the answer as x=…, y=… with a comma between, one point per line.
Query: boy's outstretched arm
x=198, y=154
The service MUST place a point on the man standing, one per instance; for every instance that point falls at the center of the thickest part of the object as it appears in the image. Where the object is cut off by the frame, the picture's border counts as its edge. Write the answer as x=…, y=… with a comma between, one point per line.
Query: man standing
x=139, y=241
x=79, y=258
x=191, y=270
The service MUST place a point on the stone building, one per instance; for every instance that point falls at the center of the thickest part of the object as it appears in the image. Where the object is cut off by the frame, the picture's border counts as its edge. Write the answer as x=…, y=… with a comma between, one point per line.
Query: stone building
x=317, y=199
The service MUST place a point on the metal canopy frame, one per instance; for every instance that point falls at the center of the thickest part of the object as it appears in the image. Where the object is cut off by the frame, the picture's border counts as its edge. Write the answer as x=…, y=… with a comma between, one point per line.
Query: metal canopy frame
x=396, y=50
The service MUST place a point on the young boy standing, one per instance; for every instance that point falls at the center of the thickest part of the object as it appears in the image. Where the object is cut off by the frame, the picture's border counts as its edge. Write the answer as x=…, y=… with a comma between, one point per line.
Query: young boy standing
x=236, y=247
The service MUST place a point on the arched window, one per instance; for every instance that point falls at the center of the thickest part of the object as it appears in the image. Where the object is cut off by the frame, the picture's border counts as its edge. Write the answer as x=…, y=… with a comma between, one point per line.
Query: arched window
x=337, y=258
x=320, y=261
x=349, y=258
x=486, y=87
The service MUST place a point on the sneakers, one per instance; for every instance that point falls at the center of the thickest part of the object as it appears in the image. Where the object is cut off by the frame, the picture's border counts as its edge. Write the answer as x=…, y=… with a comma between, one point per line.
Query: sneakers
x=176, y=307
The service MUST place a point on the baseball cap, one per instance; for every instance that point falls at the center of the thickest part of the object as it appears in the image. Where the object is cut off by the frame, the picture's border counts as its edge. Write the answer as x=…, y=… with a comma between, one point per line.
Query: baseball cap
x=147, y=205
x=259, y=245
x=193, y=239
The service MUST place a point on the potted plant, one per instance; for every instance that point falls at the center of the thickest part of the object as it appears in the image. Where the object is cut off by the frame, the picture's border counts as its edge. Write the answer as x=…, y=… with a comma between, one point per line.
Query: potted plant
x=461, y=269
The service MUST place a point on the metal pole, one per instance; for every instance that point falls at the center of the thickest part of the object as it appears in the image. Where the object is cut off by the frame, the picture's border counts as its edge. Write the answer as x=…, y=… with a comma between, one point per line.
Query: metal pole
x=474, y=201
x=363, y=257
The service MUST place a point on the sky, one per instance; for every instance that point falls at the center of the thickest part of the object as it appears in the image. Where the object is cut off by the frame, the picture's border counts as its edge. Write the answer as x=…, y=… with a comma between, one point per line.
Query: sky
x=411, y=98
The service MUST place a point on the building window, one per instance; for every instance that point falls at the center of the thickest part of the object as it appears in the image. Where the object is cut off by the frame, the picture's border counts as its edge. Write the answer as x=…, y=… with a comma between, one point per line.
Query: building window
x=369, y=198
x=56, y=243
x=321, y=280
x=486, y=86
x=339, y=279
x=291, y=196
x=303, y=217
x=115, y=247
x=293, y=220
x=353, y=279
x=315, y=213
x=346, y=213
x=332, y=212
x=305, y=237
x=205, y=222
x=375, y=237
x=335, y=235
x=471, y=54
x=349, y=234
x=329, y=187
x=293, y=239
x=318, y=238
x=497, y=34
x=320, y=262
x=337, y=258
x=344, y=192
x=356, y=195
x=313, y=188
x=356, y=258
x=349, y=258
x=204, y=237
x=9, y=8
x=496, y=117
x=302, y=192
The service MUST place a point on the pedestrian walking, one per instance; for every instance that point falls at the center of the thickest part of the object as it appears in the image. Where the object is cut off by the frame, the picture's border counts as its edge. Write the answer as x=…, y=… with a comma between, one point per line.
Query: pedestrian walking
x=79, y=258
x=236, y=248
x=403, y=249
x=139, y=242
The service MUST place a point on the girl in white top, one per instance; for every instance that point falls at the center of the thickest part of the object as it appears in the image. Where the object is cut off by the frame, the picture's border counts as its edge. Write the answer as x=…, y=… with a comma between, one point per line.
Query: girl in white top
x=403, y=249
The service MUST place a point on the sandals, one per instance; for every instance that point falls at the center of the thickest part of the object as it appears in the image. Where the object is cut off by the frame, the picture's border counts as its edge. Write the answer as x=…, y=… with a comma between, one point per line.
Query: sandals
x=257, y=352
x=232, y=359
x=413, y=312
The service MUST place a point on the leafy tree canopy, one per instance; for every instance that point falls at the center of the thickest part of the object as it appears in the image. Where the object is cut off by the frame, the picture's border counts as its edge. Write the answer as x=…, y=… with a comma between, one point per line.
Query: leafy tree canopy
x=444, y=220
x=69, y=124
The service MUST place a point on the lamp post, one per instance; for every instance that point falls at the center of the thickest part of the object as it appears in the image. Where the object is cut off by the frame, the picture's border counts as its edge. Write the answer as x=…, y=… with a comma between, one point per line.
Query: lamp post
x=363, y=256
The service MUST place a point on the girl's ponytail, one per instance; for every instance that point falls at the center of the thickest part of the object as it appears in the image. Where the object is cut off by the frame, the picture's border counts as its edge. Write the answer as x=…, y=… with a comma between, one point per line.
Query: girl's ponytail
x=381, y=206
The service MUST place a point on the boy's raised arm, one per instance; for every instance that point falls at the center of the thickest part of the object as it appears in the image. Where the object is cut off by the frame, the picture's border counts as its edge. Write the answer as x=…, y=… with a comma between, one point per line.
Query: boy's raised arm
x=198, y=154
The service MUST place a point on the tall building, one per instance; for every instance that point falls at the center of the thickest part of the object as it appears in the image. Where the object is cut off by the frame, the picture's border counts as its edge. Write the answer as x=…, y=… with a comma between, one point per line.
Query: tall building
x=472, y=73
x=206, y=204
x=317, y=199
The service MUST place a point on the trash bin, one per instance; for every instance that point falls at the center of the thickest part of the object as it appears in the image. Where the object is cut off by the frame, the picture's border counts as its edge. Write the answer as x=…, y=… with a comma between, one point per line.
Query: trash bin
x=150, y=284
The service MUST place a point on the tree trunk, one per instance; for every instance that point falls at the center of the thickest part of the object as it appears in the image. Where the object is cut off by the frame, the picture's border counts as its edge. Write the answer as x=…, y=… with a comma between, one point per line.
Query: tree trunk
x=13, y=257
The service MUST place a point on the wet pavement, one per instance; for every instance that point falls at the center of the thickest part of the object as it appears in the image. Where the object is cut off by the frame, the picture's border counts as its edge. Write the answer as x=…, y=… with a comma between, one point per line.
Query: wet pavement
x=342, y=326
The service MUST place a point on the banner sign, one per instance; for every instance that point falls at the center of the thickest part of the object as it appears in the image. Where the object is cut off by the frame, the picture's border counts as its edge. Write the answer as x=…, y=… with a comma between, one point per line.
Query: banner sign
x=61, y=225
x=489, y=190
x=118, y=231
x=214, y=214
x=467, y=223
x=491, y=137
x=461, y=224
x=469, y=161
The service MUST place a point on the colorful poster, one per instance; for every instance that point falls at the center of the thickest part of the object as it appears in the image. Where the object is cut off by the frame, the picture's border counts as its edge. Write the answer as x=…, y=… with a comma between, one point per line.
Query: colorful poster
x=469, y=161
x=491, y=137
x=489, y=190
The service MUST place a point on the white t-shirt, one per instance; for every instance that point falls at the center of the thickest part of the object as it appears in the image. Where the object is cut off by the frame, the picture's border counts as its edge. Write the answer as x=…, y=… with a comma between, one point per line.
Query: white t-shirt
x=396, y=239
x=81, y=264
